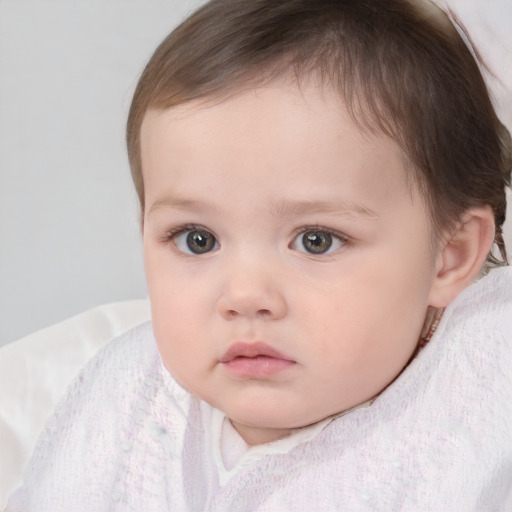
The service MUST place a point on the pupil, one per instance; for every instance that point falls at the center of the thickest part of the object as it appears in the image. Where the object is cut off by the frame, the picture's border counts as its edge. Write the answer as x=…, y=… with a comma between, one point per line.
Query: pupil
x=317, y=242
x=200, y=242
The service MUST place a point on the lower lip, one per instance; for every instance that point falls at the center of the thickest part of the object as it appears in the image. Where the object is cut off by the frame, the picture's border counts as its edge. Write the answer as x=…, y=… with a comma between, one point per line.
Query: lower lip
x=257, y=367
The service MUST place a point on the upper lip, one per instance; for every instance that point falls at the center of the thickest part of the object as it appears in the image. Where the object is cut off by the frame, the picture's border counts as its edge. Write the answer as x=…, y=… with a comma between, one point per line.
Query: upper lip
x=251, y=349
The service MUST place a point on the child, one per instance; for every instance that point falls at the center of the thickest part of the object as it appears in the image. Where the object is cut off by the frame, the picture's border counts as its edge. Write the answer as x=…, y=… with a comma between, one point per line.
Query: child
x=318, y=180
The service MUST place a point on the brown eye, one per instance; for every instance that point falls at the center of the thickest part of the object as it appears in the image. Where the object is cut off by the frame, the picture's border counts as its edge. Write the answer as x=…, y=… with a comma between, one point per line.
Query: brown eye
x=195, y=241
x=316, y=242
x=200, y=242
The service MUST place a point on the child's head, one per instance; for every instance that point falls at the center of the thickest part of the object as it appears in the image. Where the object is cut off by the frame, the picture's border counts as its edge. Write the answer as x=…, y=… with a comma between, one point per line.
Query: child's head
x=313, y=175
x=399, y=66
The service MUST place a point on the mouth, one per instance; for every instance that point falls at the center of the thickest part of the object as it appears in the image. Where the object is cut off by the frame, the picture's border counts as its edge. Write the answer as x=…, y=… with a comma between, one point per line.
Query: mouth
x=254, y=360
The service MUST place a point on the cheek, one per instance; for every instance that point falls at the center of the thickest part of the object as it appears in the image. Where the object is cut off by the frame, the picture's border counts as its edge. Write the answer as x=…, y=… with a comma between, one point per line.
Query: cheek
x=175, y=318
x=176, y=314
x=178, y=301
x=373, y=309
x=178, y=339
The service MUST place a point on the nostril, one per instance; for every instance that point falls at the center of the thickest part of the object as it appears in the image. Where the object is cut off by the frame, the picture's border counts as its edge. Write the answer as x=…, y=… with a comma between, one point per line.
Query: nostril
x=232, y=307
x=231, y=314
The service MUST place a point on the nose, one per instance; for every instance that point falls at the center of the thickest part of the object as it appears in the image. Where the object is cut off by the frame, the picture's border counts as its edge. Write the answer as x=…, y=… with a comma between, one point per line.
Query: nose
x=251, y=293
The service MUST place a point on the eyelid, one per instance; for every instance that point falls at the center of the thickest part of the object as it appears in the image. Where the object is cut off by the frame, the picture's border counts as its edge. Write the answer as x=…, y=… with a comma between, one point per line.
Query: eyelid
x=171, y=235
x=173, y=232
x=323, y=229
x=344, y=239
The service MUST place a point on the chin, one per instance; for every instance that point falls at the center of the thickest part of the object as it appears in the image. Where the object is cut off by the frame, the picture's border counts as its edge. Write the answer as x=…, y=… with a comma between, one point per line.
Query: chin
x=271, y=418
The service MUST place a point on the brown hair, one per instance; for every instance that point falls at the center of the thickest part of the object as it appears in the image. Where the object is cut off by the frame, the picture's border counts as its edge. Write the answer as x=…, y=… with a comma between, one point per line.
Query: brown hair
x=400, y=66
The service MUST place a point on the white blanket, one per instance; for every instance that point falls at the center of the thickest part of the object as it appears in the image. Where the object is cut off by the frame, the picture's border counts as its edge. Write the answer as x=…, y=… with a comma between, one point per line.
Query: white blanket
x=36, y=370
x=127, y=437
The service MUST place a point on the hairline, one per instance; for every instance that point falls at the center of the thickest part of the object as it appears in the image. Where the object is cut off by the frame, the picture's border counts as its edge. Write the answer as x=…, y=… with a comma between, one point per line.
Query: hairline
x=287, y=74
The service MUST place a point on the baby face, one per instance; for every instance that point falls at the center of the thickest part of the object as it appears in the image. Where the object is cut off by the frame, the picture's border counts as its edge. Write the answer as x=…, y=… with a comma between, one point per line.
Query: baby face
x=288, y=259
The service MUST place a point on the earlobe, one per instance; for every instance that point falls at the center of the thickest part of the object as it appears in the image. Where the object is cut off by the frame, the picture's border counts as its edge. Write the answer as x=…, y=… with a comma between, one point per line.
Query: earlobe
x=462, y=255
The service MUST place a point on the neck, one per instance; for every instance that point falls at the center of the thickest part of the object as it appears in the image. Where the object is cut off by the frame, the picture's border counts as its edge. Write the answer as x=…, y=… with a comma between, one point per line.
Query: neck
x=260, y=435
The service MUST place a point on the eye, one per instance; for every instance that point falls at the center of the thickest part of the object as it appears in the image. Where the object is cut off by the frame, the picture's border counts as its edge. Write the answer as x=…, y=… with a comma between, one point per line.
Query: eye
x=318, y=241
x=195, y=241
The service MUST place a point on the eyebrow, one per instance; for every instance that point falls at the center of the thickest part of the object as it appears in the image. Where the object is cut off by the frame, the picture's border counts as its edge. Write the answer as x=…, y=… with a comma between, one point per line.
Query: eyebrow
x=333, y=206
x=183, y=204
x=283, y=208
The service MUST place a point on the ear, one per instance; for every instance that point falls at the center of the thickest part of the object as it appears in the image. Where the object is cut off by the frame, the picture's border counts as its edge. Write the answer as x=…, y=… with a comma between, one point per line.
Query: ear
x=462, y=255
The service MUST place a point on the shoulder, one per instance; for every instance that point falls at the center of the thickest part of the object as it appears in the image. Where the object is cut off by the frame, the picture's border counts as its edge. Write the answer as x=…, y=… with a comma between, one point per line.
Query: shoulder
x=133, y=348
x=116, y=369
x=488, y=298
x=475, y=337
x=124, y=374
x=460, y=385
x=109, y=423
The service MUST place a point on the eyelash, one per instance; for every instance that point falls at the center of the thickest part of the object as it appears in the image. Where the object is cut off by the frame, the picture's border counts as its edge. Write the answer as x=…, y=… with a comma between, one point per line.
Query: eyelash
x=344, y=239
x=172, y=234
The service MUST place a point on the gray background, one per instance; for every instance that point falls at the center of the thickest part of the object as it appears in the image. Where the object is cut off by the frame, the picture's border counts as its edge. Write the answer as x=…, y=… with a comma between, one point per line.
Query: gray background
x=69, y=237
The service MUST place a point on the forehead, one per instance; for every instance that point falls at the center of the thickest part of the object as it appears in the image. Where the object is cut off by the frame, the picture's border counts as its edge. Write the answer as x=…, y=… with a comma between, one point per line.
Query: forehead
x=276, y=138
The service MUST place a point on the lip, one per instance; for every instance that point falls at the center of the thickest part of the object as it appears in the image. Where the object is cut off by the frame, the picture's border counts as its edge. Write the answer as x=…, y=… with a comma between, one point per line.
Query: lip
x=255, y=360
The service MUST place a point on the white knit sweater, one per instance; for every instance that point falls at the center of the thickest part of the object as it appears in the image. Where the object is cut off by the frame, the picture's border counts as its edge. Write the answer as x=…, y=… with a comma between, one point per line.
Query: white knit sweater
x=128, y=437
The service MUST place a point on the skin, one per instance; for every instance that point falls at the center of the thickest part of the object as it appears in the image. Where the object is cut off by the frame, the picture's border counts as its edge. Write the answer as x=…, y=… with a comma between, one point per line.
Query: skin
x=256, y=170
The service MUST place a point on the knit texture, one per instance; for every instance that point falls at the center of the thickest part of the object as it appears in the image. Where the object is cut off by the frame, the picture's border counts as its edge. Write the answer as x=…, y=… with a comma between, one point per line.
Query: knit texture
x=128, y=437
